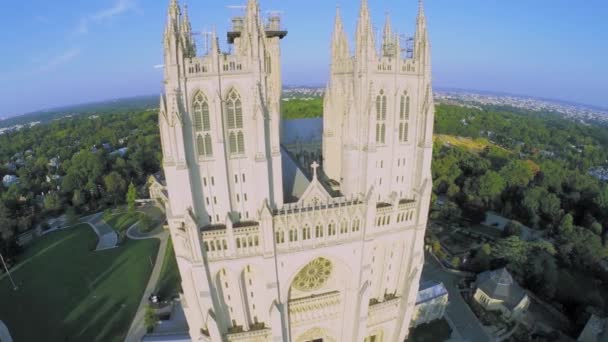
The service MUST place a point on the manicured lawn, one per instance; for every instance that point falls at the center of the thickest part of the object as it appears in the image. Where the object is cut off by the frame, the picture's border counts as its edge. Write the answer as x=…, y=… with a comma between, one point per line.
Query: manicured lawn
x=153, y=211
x=169, y=283
x=436, y=331
x=122, y=222
x=69, y=293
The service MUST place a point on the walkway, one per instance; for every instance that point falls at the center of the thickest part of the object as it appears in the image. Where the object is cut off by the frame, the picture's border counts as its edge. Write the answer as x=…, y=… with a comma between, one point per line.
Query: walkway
x=108, y=238
x=138, y=329
x=5, y=336
x=458, y=313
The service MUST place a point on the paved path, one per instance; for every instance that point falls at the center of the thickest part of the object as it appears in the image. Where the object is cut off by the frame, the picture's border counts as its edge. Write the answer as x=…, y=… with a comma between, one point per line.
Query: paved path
x=458, y=313
x=5, y=336
x=108, y=238
x=138, y=329
x=134, y=234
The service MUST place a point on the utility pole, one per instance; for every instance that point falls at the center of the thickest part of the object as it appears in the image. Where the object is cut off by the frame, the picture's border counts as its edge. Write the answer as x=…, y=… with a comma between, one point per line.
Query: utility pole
x=9, y=273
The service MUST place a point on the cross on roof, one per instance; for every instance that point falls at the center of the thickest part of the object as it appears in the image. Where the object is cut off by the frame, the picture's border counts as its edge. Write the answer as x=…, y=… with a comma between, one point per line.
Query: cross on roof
x=314, y=167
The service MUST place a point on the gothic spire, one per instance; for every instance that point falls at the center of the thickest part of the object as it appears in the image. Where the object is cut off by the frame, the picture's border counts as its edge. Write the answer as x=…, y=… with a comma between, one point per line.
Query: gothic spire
x=215, y=48
x=252, y=32
x=365, y=34
x=186, y=20
x=421, y=47
x=174, y=11
x=339, y=44
x=421, y=19
x=388, y=31
x=186, y=34
x=388, y=43
x=252, y=11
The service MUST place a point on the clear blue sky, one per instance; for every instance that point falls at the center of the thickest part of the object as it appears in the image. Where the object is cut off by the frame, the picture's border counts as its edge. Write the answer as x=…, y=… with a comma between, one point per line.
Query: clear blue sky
x=73, y=51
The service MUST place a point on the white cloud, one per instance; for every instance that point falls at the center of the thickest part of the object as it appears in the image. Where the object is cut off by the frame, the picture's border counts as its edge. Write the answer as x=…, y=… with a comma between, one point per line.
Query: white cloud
x=120, y=7
x=60, y=59
x=44, y=66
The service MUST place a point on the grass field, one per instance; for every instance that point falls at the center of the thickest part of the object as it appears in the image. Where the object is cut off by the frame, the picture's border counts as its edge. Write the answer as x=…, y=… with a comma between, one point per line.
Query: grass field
x=473, y=145
x=169, y=283
x=121, y=222
x=69, y=293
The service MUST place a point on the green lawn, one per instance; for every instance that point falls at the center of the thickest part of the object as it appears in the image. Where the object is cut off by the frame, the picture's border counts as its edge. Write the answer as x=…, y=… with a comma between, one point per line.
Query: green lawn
x=435, y=331
x=121, y=222
x=169, y=283
x=69, y=293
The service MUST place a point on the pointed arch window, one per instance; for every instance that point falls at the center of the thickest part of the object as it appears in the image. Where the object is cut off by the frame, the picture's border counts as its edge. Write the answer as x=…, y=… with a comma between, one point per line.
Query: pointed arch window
x=202, y=125
x=381, y=104
x=236, y=135
x=404, y=117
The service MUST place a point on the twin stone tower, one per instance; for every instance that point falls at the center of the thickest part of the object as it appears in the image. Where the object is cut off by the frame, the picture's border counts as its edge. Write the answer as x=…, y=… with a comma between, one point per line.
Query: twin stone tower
x=338, y=259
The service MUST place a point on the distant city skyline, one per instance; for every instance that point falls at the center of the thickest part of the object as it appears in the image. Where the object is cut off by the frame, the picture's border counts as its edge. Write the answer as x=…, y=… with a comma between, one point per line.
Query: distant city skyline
x=78, y=52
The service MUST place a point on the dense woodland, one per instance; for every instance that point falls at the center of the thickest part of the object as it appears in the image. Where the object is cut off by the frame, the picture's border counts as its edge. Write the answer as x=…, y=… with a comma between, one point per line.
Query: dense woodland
x=533, y=169
x=90, y=173
x=302, y=109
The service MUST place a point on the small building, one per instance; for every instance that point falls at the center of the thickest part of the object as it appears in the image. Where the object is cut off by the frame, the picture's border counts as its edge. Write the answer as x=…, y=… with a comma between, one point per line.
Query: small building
x=158, y=188
x=11, y=167
x=120, y=152
x=54, y=162
x=497, y=291
x=596, y=330
x=53, y=178
x=431, y=303
x=9, y=180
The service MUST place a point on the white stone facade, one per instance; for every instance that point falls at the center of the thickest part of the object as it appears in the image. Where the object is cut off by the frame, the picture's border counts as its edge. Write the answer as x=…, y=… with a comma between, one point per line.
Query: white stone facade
x=340, y=263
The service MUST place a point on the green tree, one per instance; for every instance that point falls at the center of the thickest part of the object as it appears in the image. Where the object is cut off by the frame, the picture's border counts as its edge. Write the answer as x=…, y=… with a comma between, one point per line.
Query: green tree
x=115, y=185
x=597, y=228
x=71, y=216
x=601, y=200
x=490, y=186
x=145, y=223
x=150, y=318
x=131, y=197
x=517, y=173
x=541, y=273
x=78, y=198
x=52, y=202
x=566, y=225
x=513, y=228
x=513, y=250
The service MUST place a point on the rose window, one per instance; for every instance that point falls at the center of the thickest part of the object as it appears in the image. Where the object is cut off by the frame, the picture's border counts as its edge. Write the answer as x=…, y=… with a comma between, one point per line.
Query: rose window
x=314, y=275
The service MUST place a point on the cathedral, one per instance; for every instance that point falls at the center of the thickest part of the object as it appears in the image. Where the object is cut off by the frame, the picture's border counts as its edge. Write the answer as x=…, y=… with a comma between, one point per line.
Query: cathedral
x=270, y=249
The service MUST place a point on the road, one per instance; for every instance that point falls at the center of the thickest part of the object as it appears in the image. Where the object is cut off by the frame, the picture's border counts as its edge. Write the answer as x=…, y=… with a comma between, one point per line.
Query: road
x=108, y=238
x=458, y=312
x=138, y=329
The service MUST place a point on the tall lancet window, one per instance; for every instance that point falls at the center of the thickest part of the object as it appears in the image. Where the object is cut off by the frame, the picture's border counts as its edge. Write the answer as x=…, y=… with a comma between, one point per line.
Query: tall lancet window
x=381, y=118
x=236, y=135
x=404, y=117
x=202, y=125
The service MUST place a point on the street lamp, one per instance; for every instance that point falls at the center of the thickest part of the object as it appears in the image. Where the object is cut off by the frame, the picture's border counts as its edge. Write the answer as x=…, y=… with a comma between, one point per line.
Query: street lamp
x=8, y=272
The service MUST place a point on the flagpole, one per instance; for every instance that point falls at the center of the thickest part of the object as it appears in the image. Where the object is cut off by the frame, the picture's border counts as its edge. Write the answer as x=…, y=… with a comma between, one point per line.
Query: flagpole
x=9, y=273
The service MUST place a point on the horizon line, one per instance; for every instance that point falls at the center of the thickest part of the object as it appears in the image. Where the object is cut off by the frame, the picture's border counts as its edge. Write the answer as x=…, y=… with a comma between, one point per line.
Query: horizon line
x=287, y=86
